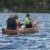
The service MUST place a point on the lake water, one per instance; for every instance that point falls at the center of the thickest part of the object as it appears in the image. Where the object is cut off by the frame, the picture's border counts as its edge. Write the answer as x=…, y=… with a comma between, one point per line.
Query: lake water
x=32, y=41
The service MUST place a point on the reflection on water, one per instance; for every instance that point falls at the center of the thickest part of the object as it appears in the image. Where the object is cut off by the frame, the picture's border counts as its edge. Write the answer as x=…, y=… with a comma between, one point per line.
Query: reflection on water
x=33, y=41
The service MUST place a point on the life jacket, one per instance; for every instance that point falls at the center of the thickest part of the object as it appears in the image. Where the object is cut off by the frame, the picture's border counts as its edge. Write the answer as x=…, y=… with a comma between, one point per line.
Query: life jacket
x=26, y=20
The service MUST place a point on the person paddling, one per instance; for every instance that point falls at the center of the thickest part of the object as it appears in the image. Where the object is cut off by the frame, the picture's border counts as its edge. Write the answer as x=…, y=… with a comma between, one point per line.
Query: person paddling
x=11, y=24
x=17, y=22
x=27, y=21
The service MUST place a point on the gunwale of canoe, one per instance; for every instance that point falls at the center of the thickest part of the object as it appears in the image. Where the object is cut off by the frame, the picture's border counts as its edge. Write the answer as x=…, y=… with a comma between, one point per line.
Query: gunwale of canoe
x=14, y=32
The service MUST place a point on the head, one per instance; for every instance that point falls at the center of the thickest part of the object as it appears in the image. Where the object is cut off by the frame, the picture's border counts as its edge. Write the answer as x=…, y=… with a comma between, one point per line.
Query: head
x=16, y=16
x=27, y=15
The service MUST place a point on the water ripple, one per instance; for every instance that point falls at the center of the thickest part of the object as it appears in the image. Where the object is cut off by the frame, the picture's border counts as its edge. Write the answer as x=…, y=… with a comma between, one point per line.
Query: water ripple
x=37, y=41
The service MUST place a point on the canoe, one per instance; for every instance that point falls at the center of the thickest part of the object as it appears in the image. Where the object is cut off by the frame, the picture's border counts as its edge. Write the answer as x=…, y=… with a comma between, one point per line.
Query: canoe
x=14, y=32
x=21, y=30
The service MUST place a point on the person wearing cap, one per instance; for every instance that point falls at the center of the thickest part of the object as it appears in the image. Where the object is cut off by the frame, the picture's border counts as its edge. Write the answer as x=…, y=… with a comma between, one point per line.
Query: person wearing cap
x=17, y=22
x=27, y=21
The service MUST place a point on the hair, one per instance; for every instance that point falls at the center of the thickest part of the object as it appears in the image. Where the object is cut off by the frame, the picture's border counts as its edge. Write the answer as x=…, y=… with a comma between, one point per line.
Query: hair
x=16, y=16
x=27, y=15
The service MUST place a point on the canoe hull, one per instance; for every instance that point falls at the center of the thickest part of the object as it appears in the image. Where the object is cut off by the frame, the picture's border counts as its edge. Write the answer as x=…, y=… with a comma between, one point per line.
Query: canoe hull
x=14, y=32
x=9, y=31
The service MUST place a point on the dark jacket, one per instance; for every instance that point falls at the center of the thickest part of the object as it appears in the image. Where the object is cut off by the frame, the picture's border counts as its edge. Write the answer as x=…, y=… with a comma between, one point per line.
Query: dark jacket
x=11, y=23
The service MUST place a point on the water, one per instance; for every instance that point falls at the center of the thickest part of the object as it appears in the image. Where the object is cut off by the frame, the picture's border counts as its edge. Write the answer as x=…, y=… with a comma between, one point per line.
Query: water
x=33, y=41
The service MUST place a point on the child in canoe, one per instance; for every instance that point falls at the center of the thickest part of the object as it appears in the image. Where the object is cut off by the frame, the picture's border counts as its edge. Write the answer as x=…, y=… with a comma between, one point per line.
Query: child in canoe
x=17, y=22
